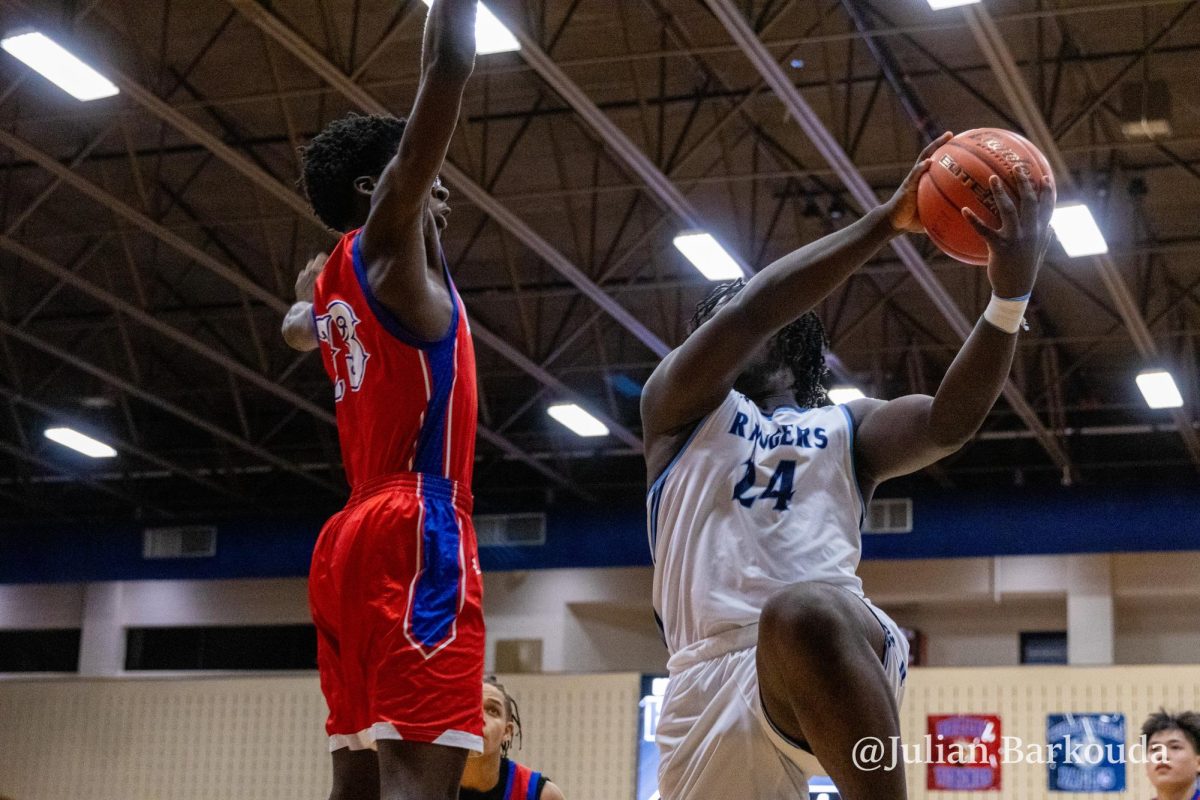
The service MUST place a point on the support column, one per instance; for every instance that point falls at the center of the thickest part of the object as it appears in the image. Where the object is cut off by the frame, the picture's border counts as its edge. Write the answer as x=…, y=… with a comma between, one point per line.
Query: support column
x=102, y=641
x=1090, y=627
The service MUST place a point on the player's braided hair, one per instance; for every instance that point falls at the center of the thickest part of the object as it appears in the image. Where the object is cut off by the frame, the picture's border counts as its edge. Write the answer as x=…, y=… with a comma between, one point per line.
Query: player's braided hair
x=510, y=710
x=347, y=149
x=800, y=346
x=1188, y=722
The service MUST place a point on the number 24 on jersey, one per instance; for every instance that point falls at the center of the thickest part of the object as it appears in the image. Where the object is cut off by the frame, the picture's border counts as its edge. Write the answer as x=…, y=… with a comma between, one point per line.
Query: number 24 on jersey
x=779, y=487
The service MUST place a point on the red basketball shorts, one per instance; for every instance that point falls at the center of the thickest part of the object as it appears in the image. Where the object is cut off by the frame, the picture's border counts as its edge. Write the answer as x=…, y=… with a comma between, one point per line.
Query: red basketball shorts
x=396, y=595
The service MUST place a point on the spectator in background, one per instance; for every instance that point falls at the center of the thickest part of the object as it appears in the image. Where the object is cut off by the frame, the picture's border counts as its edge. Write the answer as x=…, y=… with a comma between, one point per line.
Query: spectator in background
x=490, y=775
x=1173, y=763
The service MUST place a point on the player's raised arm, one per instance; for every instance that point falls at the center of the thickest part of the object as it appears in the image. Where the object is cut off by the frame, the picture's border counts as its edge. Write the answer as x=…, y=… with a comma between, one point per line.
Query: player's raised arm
x=694, y=378
x=394, y=243
x=907, y=434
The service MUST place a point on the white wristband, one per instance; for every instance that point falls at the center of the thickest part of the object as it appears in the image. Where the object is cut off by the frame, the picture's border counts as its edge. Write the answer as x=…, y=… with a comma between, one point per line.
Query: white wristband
x=1007, y=315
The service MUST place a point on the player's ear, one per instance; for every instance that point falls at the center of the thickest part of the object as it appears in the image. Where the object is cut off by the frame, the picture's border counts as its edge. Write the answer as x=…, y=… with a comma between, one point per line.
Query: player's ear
x=365, y=184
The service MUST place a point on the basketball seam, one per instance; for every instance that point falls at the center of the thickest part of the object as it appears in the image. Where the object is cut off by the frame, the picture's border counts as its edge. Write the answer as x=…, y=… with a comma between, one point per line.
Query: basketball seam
x=952, y=204
x=990, y=163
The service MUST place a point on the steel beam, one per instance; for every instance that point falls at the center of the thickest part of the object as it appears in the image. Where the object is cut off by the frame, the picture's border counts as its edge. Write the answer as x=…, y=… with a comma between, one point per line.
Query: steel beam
x=81, y=476
x=552, y=383
x=1016, y=91
x=129, y=447
x=197, y=133
x=168, y=331
x=140, y=220
x=130, y=388
x=668, y=195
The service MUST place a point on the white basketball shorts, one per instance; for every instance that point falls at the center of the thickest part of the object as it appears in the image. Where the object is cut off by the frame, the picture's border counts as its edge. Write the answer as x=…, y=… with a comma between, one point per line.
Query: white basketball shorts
x=714, y=740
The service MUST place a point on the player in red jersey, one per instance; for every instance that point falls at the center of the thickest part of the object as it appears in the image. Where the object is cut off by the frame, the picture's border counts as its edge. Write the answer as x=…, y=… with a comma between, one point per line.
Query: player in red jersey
x=395, y=587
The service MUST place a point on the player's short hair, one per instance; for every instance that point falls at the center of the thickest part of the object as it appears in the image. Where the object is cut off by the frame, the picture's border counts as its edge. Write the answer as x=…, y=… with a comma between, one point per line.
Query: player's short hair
x=800, y=346
x=1186, y=722
x=347, y=149
x=511, y=712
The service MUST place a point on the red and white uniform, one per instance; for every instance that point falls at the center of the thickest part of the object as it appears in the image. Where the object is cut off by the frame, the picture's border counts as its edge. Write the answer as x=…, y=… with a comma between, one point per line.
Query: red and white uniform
x=395, y=587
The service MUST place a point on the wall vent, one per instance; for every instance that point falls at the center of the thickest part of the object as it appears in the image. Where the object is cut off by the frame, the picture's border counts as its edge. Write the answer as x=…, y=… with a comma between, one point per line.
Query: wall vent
x=518, y=656
x=510, y=530
x=187, y=541
x=893, y=515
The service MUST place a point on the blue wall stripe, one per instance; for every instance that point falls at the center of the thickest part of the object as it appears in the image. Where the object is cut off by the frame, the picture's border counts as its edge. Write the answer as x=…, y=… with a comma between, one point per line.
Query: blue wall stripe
x=952, y=524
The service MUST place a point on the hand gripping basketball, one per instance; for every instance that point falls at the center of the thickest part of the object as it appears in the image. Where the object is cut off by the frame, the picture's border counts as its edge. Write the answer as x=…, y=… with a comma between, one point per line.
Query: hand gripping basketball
x=1017, y=247
x=903, y=212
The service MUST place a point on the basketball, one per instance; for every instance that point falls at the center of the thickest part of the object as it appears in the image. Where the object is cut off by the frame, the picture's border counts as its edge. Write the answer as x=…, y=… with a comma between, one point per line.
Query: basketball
x=958, y=178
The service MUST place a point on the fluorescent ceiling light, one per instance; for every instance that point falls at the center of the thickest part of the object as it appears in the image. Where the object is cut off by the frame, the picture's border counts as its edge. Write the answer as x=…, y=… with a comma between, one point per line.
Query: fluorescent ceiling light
x=938, y=5
x=579, y=421
x=708, y=256
x=75, y=440
x=844, y=394
x=1159, y=389
x=1077, y=230
x=490, y=35
x=57, y=65
x=1146, y=129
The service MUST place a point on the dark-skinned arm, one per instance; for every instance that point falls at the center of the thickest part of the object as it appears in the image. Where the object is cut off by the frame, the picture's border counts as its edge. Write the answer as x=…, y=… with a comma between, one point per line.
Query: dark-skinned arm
x=400, y=268
x=299, y=330
x=901, y=436
x=695, y=377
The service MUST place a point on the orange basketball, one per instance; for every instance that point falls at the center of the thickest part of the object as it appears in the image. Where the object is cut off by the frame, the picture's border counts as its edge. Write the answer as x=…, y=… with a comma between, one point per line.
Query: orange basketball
x=958, y=178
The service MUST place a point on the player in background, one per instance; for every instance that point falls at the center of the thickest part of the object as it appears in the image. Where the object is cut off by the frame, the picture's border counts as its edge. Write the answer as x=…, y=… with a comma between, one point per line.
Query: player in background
x=1173, y=754
x=757, y=491
x=492, y=775
x=395, y=588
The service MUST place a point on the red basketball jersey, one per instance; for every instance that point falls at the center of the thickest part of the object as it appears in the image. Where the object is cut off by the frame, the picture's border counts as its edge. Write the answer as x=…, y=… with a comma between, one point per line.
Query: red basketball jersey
x=403, y=404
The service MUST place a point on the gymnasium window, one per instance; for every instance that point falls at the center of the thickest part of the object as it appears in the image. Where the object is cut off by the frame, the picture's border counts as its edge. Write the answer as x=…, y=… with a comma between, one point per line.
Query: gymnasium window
x=249, y=647
x=39, y=651
x=1044, y=647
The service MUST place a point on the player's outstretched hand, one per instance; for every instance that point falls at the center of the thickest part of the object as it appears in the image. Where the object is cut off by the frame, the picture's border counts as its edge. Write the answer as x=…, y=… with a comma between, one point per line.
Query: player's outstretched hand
x=307, y=279
x=1017, y=247
x=902, y=207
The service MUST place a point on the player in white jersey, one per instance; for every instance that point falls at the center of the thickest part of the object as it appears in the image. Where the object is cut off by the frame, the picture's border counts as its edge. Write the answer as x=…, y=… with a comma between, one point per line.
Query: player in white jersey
x=757, y=494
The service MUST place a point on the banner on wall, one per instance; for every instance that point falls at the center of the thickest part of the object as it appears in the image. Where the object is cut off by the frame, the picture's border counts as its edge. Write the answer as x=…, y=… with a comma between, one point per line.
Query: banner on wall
x=1087, y=752
x=649, y=710
x=964, y=752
